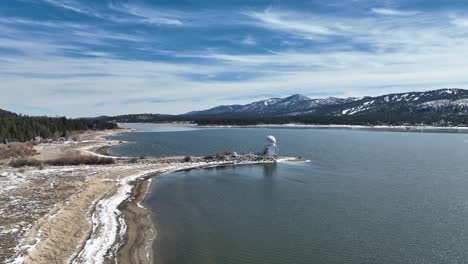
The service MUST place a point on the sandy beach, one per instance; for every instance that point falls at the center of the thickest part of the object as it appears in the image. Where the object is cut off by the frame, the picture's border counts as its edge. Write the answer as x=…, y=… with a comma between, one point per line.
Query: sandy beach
x=87, y=213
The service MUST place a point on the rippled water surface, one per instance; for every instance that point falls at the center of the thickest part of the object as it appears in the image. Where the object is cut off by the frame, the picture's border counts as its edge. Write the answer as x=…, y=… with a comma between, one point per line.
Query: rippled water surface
x=364, y=197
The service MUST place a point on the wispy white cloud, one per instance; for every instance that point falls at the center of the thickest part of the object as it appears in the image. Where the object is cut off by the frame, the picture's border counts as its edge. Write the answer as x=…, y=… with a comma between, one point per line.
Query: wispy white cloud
x=293, y=22
x=46, y=23
x=147, y=14
x=27, y=47
x=59, y=32
x=98, y=54
x=75, y=6
x=459, y=21
x=127, y=13
x=102, y=34
x=249, y=40
x=393, y=12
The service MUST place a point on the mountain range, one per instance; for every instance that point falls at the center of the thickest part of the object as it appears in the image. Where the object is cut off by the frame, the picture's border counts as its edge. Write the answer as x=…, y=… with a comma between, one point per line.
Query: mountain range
x=442, y=107
x=449, y=101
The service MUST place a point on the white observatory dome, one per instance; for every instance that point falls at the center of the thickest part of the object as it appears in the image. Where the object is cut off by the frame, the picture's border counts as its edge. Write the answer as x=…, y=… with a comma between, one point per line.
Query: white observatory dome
x=271, y=139
x=270, y=146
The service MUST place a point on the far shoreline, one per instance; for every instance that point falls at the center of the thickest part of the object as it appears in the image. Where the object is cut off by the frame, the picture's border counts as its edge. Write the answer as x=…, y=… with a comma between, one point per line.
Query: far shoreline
x=351, y=127
x=408, y=128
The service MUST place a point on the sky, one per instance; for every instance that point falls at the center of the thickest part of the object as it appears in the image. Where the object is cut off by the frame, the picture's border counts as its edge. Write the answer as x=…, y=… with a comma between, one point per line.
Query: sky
x=89, y=58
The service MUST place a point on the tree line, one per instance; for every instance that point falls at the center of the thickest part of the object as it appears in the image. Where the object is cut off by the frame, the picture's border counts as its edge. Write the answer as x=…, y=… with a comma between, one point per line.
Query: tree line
x=451, y=117
x=21, y=128
x=373, y=119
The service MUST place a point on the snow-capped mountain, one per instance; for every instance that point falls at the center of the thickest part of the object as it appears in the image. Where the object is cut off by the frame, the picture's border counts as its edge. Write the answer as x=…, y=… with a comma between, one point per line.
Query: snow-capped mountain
x=291, y=105
x=444, y=107
x=448, y=101
x=443, y=101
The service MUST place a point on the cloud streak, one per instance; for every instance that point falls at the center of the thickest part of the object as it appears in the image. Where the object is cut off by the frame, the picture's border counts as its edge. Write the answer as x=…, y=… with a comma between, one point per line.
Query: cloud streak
x=147, y=15
x=74, y=6
x=292, y=22
x=124, y=13
x=393, y=12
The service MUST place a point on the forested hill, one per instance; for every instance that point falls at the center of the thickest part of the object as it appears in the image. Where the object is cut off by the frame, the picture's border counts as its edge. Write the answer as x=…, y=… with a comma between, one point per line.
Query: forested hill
x=14, y=127
x=442, y=107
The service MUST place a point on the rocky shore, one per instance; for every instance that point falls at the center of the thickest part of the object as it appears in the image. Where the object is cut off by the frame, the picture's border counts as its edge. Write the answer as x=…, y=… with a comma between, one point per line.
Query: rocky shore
x=87, y=213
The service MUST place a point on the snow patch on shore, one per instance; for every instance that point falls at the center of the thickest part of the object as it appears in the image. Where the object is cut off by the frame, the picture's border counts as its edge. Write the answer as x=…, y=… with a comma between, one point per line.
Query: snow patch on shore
x=108, y=222
x=21, y=247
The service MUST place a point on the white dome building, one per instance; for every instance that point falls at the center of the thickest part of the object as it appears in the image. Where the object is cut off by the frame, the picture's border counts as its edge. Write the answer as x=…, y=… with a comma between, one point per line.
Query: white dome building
x=270, y=146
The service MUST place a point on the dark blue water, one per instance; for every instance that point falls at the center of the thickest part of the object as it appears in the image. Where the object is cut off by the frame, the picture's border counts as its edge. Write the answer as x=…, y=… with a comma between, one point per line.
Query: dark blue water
x=365, y=197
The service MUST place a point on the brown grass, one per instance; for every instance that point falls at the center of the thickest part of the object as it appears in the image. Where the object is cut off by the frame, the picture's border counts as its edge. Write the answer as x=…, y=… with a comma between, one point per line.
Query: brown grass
x=75, y=158
x=69, y=158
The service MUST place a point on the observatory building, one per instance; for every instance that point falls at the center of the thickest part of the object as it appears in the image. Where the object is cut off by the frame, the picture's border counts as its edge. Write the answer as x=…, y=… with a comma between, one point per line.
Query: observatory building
x=270, y=146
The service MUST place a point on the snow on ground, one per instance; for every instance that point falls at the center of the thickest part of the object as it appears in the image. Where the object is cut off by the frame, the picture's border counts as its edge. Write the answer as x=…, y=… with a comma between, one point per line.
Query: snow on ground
x=357, y=109
x=107, y=221
x=10, y=180
x=28, y=195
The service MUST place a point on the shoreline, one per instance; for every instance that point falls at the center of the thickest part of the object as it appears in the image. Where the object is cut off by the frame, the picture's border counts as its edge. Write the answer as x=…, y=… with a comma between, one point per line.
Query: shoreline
x=100, y=218
x=411, y=128
x=129, y=247
x=141, y=231
x=139, y=249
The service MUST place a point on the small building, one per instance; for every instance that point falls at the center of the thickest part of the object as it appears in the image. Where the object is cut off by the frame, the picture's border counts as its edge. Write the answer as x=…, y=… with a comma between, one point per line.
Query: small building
x=271, y=148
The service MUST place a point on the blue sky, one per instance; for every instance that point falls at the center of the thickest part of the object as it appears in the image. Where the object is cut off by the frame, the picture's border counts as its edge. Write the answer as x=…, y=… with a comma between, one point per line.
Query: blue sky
x=90, y=58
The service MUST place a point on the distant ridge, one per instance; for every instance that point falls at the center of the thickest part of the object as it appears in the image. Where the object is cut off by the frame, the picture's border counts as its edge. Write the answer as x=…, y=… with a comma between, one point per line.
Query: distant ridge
x=443, y=100
x=294, y=104
x=442, y=107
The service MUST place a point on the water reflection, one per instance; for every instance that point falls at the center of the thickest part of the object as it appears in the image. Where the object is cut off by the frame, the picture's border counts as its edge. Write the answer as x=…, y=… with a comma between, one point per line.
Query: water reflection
x=269, y=170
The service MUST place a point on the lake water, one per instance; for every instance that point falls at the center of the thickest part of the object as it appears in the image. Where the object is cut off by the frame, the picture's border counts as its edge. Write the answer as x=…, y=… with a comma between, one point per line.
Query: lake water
x=364, y=197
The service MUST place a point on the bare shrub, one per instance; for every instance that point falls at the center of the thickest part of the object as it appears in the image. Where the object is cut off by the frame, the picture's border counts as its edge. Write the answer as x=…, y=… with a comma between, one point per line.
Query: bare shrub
x=133, y=160
x=18, y=163
x=208, y=157
x=220, y=156
x=17, y=150
x=187, y=159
